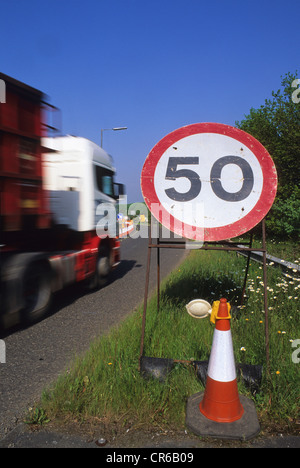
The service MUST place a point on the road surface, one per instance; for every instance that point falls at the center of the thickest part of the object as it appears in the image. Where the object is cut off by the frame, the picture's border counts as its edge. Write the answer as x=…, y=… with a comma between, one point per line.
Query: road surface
x=35, y=356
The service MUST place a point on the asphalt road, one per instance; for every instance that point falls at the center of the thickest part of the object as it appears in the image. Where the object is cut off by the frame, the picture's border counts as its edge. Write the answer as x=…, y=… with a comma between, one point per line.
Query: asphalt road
x=35, y=356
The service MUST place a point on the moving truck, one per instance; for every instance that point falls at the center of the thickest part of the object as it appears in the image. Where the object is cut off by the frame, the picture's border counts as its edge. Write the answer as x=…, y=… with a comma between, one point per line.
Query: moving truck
x=51, y=188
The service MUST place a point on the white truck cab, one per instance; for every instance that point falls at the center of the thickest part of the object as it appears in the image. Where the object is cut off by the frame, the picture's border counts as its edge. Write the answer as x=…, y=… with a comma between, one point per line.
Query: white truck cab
x=78, y=175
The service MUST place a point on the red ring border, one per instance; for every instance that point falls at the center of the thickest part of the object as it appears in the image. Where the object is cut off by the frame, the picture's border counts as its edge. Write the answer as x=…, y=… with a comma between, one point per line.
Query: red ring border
x=232, y=230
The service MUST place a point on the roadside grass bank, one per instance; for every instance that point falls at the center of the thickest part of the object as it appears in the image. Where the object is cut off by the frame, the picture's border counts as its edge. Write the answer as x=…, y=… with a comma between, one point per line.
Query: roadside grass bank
x=286, y=250
x=104, y=385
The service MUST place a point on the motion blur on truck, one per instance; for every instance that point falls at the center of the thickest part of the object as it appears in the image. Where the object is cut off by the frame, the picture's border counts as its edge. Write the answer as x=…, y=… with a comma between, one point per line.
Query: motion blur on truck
x=50, y=188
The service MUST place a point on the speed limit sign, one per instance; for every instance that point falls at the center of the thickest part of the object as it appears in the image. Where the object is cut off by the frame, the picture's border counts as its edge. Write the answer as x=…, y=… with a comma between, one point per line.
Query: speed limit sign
x=209, y=182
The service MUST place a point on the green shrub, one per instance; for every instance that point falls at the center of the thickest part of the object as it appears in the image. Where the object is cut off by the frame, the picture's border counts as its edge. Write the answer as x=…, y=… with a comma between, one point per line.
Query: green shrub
x=284, y=220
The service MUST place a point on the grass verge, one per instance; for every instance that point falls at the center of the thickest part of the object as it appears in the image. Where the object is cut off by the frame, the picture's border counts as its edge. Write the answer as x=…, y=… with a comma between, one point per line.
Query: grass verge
x=105, y=384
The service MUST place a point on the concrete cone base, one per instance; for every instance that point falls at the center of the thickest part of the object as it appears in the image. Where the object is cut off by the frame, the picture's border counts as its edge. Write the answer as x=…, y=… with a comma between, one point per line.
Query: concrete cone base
x=245, y=428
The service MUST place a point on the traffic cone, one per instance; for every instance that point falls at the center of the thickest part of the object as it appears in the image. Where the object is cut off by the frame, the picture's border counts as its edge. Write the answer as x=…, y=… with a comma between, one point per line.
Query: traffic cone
x=221, y=402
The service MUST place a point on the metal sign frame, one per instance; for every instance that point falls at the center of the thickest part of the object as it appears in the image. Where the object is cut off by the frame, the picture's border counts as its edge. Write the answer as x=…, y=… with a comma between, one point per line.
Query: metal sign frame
x=221, y=145
x=158, y=243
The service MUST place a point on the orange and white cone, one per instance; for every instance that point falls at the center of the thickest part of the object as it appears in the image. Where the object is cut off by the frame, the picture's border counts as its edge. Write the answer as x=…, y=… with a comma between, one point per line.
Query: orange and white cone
x=221, y=402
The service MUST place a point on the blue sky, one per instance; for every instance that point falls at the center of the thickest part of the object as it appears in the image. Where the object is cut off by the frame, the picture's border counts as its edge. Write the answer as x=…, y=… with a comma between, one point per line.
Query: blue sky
x=152, y=66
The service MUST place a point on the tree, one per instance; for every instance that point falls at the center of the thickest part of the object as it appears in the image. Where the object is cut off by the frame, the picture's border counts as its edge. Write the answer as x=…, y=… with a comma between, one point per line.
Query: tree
x=276, y=124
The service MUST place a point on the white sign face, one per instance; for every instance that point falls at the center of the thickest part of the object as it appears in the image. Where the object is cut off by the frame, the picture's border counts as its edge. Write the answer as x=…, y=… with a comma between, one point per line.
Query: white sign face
x=209, y=182
x=214, y=177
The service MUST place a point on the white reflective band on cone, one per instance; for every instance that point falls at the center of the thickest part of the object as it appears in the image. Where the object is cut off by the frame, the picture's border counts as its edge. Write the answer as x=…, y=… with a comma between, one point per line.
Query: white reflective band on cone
x=221, y=365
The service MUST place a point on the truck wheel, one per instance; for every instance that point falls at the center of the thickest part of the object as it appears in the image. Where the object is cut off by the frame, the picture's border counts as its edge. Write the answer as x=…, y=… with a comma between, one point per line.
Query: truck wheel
x=100, y=276
x=36, y=289
x=102, y=268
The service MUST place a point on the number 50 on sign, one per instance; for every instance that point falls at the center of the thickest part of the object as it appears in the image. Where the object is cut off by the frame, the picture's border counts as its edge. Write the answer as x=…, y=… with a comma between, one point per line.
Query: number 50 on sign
x=209, y=182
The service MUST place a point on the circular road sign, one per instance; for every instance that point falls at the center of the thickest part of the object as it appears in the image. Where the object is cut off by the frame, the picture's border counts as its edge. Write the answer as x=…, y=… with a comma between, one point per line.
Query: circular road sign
x=209, y=182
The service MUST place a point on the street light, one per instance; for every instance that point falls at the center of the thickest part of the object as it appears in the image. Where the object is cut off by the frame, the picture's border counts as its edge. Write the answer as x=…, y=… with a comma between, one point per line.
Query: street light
x=114, y=129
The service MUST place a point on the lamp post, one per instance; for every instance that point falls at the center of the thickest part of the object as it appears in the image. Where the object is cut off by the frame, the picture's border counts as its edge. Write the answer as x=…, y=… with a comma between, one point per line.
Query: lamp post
x=114, y=129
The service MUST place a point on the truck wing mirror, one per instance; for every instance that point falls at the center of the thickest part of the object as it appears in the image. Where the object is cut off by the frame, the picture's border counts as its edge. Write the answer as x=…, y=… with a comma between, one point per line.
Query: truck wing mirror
x=120, y=189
